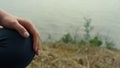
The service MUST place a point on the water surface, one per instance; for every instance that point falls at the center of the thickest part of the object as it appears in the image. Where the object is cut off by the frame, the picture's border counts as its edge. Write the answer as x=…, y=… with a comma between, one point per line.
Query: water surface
x=57, y=17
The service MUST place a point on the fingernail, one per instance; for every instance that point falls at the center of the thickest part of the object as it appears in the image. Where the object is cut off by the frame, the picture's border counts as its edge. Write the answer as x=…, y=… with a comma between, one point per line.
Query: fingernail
x=38, y=53
x=26, y=34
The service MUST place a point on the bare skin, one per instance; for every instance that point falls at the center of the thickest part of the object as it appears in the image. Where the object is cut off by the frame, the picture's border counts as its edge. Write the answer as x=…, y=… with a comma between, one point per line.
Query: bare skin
x=24, y=27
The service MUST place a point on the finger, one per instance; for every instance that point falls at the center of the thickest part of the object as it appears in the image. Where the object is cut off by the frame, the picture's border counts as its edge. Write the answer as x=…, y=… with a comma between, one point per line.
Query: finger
x=36, y=43
x=22, y=31
x=33, y=31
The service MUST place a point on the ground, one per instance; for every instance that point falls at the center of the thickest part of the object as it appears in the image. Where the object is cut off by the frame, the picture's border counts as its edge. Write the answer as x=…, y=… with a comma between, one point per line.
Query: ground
x=60, y=55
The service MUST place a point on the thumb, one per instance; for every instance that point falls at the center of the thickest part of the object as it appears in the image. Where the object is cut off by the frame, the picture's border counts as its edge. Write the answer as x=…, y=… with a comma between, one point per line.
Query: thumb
x=22, y=31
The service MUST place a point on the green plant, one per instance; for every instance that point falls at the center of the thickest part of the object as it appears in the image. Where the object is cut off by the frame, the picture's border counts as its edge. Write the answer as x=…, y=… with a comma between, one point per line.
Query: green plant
x=82, y=42
x=95, y=41
x=87, y=30
x=109, y=44
x=67, y=38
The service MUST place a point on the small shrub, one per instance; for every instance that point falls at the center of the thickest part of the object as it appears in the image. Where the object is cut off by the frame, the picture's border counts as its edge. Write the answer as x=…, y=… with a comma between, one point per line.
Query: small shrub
x=88, y=29
x=95, y=41
x=109, y=44
x=67, y=38
x=82, y=42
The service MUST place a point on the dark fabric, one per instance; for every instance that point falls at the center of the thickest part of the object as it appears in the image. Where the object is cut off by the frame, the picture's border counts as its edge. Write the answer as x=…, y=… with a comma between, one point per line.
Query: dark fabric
x=15, y=51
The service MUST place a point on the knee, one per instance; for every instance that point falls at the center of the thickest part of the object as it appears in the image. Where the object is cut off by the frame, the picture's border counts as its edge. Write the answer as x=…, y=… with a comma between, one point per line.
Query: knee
x=18, y=49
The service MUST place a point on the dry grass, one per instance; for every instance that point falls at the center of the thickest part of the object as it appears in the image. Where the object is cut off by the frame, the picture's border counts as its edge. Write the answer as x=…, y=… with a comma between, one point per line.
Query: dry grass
x=68, y=56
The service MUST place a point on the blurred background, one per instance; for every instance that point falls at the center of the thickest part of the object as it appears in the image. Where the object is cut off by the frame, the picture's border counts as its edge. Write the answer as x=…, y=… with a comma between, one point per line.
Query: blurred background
x=64, y=23
x=56, y=17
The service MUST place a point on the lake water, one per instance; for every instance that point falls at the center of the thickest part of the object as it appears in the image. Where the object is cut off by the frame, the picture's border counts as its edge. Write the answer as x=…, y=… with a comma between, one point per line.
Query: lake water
x=56, y=17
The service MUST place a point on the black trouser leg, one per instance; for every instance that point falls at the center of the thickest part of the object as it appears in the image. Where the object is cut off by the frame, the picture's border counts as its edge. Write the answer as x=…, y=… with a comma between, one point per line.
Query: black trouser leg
x=15, y=51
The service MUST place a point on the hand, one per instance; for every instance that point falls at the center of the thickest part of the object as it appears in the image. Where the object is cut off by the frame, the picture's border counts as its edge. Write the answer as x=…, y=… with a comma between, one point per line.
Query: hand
x=24, y=27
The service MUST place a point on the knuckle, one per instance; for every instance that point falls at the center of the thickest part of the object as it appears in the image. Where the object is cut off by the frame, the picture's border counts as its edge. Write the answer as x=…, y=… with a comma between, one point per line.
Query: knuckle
x=29, y=21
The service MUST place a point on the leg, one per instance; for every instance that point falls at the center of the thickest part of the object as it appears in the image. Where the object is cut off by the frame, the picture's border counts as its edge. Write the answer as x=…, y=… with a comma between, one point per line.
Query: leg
x=15, y=51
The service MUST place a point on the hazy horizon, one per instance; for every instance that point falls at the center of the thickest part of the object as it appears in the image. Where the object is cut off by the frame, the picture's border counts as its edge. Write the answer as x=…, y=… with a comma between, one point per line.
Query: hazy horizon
x=57, y=16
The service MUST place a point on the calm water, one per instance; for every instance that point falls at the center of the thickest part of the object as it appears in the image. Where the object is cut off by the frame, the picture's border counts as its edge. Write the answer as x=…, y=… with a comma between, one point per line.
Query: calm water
x=56, y=17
